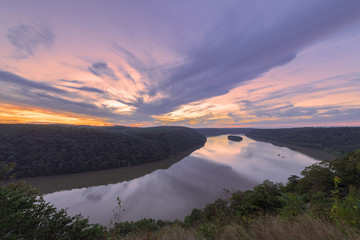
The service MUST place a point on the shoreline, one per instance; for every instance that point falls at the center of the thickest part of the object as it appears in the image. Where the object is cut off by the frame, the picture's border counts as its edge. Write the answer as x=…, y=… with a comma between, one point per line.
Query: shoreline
x=315, y=153
x=63, y=182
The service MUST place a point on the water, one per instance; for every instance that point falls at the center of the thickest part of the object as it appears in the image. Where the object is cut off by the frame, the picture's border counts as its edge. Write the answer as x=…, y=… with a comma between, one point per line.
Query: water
x=190, y=183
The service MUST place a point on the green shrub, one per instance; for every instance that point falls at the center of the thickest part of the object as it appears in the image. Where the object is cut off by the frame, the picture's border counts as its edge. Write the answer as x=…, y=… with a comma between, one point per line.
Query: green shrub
x=208, y=230
x=348, y=170
x=317, y=178
x=320, y=205
x=194, y=218
x=144, y=225
x=25, y=215
x=345, y=210
x=294, y=204
x=265, y=198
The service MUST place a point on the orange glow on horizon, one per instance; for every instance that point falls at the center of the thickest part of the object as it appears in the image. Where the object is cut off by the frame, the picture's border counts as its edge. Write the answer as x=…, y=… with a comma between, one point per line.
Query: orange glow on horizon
x=143, y=124
x=20, y=114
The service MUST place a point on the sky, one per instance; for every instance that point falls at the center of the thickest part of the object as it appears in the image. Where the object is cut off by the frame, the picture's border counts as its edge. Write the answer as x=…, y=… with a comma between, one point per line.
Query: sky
x=203, y=63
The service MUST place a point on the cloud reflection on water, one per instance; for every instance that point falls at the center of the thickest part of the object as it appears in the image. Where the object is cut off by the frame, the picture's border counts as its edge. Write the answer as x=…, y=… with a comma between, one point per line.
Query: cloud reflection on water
x=191, y=183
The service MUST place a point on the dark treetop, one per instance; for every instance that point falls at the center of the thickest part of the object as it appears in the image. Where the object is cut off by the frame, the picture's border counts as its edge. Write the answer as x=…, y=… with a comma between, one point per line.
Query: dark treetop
x=41, y=150
x=235, y=138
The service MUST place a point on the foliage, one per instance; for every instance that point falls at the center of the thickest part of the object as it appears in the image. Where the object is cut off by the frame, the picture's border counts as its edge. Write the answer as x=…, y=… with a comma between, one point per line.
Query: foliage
x=345, y=210
x=144, y=225
x=194, y=218
x=347, y=169
x=294, y=204
x=6, y=170
x=119, y=209
x=48, y=149
x=265, y=198
x=208, y=230
x=317, y=178
x=320, y=205
x=25, y=215
x=292, y=183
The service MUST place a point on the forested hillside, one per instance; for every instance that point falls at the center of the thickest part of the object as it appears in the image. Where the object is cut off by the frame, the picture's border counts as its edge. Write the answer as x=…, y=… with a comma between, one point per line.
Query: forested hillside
x=336, y=140
x=39, y=150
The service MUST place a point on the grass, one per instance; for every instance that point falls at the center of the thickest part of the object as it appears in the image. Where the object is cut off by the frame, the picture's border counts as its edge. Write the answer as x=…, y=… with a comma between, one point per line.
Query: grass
x=172, y=232
x=302, y=227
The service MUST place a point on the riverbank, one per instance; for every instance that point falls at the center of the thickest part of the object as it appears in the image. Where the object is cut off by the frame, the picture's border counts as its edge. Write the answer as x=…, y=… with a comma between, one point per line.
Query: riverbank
x=49, y=184
x=45, y=150
x=317, y=154
x=334, y=140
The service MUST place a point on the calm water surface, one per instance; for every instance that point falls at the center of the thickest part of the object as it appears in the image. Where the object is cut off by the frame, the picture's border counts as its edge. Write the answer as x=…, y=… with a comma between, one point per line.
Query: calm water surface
x=190, y=183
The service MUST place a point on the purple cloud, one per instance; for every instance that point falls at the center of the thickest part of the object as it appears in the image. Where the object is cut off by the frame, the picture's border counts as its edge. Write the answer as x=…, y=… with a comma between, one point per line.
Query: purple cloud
x=102, y=69
x=28, y=92
x=26, y=38
x=87, y=89
x=21, y=82
x=71, y=81
x=250, y=40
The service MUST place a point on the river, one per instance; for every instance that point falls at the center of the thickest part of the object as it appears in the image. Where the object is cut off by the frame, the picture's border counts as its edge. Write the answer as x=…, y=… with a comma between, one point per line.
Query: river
x=190, y=183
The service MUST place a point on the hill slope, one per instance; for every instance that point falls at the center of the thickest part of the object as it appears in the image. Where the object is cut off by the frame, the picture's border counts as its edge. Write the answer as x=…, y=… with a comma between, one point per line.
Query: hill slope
x=336, y=140
x=41, y=150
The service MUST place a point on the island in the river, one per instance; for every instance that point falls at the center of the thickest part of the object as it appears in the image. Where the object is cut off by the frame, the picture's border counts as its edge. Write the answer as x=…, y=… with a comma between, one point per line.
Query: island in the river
x=212, y=132
x=235, y=138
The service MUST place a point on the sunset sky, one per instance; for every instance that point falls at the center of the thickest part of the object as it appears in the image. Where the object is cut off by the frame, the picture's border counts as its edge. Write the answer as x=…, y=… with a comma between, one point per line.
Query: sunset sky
x=241, y=63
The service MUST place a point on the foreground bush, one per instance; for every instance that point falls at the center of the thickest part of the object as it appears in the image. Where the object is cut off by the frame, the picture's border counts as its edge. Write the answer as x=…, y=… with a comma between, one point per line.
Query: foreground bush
x=25, y=215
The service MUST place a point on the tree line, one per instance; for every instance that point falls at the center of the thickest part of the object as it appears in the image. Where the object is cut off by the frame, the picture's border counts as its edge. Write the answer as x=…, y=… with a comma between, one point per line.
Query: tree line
x=335, y=140
x=39, y=150
x=211, y=132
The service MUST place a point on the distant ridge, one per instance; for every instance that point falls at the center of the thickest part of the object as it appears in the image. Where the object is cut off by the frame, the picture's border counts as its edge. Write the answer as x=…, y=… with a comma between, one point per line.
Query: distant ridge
x=335, y=140
x=211, y=132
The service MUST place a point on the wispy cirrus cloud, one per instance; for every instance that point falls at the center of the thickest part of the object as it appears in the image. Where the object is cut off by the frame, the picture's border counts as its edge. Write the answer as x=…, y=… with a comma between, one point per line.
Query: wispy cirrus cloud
x=71, y=81
x=23, y=91
x=17, y=80
x=26, y=38
x=331, y=117
x=87, y=89
x=329, y=100
x=41, y=94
